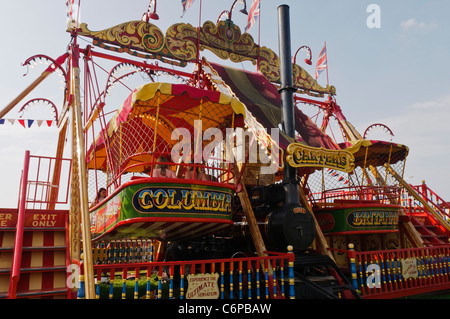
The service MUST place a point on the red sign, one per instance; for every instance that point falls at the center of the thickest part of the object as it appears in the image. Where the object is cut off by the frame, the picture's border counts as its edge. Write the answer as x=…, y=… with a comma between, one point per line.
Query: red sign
x=33, y=220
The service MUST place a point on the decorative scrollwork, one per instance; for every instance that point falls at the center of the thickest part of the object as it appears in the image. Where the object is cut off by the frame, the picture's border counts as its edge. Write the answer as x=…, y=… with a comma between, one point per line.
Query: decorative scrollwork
x=139, y=35
x=181, y=42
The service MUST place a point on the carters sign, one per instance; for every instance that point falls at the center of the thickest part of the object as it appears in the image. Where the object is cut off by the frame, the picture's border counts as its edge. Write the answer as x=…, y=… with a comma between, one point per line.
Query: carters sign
x=299, y=155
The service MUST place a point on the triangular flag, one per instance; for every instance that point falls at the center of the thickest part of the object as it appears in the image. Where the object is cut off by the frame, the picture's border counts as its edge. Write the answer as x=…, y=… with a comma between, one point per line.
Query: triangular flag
x=22, y=122
x=49, y=123
x=2, y=121
x=30, y=122
x=11, y=121
x=39, y=122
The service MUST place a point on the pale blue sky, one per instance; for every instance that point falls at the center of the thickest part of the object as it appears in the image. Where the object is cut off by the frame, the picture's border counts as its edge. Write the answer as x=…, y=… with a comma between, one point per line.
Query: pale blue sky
x=398, y=74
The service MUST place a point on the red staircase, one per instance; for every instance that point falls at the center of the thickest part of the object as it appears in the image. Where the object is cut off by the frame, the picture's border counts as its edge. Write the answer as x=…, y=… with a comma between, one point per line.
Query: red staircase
x=41, y=270
x=429, y=227
x=34, y=242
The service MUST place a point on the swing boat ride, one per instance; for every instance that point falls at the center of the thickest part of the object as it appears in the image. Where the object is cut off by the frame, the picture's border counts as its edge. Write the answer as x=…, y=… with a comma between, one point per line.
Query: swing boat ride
x=257, y=186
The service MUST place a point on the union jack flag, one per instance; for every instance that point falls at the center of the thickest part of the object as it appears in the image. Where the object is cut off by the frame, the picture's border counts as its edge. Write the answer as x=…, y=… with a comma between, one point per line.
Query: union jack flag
x=186, y=5
x=253, y=15
x=321, y=62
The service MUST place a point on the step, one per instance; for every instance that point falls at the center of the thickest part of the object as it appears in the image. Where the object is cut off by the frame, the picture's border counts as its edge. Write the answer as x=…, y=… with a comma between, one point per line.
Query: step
x=43, y=269
x=37, y=293
x=435, y=236
x=10, y=249
x=34, y=269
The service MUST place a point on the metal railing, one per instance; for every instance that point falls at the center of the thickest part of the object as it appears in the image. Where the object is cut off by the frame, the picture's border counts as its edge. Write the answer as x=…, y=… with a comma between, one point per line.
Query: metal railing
x=35, y=192
x=435, y=201
x=267, y=277
x=386, y=274
x=385, y=194
x=17, y=252
x=45, y=187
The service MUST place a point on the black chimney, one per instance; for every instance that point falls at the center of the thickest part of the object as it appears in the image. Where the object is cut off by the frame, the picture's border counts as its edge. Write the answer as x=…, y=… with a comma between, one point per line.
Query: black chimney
x=287, y=101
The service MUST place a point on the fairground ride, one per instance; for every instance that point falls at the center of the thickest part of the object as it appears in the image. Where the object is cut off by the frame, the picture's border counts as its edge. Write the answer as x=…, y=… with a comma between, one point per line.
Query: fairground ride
x=212, y=175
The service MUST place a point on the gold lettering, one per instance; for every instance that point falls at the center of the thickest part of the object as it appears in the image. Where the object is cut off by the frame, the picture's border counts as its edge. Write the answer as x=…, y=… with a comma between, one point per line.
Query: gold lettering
x=145, y=199
x=186, y=198
x=5, y=216
x=172, y=205
x=160, y=199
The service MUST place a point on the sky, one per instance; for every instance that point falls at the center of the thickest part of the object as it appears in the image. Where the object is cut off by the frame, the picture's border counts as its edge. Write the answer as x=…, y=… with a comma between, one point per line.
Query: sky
x=388, y=62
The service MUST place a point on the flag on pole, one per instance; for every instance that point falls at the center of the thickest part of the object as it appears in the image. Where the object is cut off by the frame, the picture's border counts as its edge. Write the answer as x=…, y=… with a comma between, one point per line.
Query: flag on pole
x=321, y=62
x=186, y=5
x=73, y=13
x=70, y=5
x=253, y=15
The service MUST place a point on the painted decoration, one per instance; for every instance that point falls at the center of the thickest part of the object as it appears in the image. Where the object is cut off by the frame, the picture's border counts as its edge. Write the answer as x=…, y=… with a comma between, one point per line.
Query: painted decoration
x=180, y=45
x=163, y=210
x=358, y=219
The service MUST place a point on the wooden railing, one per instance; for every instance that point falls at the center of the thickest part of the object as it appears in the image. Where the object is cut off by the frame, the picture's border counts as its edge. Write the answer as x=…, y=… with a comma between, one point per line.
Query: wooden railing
x=397, y=273
x=268, y=277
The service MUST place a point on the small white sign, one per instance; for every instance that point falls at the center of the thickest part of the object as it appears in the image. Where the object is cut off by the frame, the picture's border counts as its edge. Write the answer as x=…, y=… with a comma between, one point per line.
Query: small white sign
x=409, y=268
x=202, y=286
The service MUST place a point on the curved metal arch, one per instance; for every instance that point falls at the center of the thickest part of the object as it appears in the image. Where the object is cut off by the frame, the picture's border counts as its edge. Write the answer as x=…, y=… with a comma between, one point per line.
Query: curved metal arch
x=46, y=59
x=45, y=101
x=384, y=127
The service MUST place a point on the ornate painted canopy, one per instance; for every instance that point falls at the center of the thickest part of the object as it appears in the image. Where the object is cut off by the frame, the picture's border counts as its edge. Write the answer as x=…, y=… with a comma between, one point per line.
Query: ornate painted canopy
x=180, y=44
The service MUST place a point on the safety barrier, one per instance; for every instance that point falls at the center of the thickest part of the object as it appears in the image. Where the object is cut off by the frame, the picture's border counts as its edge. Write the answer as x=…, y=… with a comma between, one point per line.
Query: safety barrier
x=48, y=182
x=124, y=251
x=267, y=277
x=386, y=194
x=397, y=273
x=436, y=202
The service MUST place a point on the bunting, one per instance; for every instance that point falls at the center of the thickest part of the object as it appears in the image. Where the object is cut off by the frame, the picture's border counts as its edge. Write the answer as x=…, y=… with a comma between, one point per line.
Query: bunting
x=335, y=174
x=27, y=123
x=73, y=12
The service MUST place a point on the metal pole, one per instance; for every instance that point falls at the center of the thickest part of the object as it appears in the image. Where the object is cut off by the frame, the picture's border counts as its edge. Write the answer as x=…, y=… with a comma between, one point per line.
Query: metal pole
x=287, y=98
x=84, y=200
x=18, y=243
